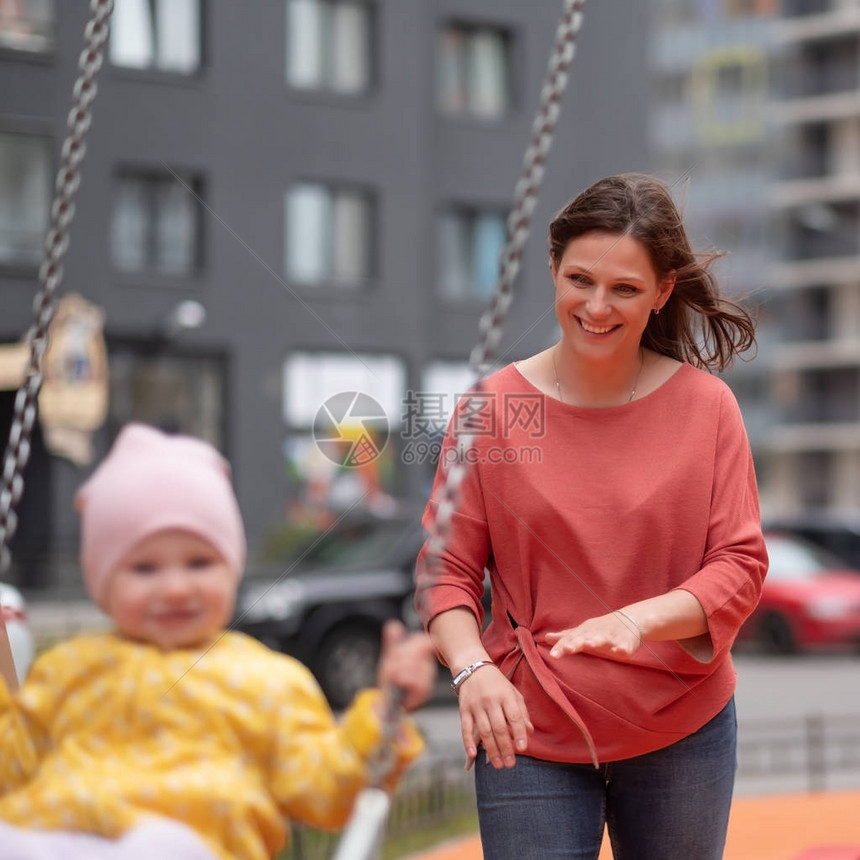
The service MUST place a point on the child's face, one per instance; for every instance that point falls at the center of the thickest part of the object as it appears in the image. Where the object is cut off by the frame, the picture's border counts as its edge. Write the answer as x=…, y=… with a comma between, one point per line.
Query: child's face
x=173, y=589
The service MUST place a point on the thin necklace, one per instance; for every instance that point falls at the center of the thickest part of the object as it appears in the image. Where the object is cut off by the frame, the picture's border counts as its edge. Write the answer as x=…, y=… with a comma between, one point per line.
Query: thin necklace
x=635, y=381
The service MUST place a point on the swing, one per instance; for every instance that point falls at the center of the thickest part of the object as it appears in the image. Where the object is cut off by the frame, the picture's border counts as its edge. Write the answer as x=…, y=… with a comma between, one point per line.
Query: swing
x=363, y=834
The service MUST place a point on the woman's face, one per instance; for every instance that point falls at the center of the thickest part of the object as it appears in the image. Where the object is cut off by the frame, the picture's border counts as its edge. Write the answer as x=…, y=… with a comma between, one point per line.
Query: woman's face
x=605, y=291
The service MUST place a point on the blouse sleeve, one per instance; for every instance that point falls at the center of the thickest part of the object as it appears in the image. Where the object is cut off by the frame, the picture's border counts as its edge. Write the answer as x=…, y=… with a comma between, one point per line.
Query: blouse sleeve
x=25, y=718
x=456, y=578
x=320, y=765
x=728, y=585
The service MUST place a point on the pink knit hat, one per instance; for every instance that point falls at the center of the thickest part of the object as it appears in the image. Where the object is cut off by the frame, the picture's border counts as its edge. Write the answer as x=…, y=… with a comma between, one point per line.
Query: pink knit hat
x=150, y=481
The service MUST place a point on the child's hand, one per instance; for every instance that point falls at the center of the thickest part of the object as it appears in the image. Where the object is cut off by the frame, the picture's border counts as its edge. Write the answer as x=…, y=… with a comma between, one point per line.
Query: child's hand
x=408, y=662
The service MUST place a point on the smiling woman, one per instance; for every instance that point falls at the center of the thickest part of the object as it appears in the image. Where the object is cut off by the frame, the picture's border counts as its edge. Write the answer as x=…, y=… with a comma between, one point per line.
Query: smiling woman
x=622, y=560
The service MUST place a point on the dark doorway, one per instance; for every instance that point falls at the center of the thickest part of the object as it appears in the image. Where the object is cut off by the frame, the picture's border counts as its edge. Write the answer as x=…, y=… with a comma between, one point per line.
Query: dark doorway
x=31, y=544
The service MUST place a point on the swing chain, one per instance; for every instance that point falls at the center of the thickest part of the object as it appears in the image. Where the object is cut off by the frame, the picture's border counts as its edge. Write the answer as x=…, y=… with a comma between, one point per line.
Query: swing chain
x=383, y=758
x=518, y=229
x=17, y=451
x=491, y=327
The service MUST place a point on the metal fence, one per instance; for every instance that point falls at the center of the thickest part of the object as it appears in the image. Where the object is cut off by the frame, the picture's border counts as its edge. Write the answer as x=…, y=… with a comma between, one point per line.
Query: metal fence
x=816, y=749
x=436, y=791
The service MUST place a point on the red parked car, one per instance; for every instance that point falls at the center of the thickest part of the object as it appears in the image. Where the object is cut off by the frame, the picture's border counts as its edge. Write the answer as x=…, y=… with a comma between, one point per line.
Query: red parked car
x=810, y=600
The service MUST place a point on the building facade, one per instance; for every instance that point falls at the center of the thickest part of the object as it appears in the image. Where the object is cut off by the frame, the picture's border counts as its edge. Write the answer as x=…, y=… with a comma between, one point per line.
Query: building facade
x=712, y=142
x=285, y=200
x=814, y=452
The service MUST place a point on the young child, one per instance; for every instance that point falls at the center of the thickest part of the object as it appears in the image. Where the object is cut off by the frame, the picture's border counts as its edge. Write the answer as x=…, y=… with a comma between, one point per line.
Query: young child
x=171, y=737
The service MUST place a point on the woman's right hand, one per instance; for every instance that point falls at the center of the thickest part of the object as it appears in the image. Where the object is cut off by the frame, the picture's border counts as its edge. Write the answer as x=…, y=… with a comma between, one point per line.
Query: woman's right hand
x=494, y=713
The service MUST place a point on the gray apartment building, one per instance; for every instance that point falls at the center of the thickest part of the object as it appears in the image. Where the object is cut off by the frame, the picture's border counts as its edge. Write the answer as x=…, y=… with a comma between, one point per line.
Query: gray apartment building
x=814, y=451
x=713, y=141
x=287, y=199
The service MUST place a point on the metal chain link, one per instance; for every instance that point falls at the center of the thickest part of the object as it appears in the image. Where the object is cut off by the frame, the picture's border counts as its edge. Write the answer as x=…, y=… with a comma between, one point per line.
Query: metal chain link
x=493, y=320
x=382, y=760
x=17, y=451
x=518, y=228
x=491, y=327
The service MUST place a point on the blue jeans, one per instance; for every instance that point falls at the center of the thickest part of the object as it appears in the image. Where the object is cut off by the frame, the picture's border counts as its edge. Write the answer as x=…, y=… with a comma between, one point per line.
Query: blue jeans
x=671, y=804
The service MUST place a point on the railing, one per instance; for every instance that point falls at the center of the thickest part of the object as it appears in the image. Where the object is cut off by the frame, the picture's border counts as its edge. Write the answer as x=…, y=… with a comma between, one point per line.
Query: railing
x=435, y=793
x=438, y=791
x=815, y=748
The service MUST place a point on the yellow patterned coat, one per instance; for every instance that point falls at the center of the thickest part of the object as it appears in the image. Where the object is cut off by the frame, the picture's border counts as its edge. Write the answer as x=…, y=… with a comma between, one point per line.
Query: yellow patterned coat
x=233, y=740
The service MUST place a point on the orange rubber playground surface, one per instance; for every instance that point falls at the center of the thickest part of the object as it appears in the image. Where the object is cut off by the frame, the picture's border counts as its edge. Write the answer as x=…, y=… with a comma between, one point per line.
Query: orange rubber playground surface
x=776, y=827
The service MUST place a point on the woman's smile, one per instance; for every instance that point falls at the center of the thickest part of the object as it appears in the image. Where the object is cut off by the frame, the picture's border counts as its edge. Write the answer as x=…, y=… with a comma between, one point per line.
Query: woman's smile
x=595, y=329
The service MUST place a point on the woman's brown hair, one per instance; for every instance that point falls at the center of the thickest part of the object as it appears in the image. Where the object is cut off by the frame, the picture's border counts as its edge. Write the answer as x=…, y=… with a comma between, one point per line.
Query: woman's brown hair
x=696, y=324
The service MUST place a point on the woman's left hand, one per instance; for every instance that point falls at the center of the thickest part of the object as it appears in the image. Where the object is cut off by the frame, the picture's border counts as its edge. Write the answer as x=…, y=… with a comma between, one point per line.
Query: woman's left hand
x=610, y=635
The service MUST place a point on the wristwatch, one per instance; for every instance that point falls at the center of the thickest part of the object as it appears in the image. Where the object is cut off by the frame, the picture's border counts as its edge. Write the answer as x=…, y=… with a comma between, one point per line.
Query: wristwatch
x=461, y=676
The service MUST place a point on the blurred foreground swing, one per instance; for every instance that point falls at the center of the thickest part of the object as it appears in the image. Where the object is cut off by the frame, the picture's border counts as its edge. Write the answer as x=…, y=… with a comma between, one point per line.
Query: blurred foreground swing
x=363, y=834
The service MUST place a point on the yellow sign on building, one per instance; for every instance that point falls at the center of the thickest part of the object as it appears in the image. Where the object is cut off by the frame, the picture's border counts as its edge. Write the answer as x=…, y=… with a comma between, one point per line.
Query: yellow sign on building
x=73, y=400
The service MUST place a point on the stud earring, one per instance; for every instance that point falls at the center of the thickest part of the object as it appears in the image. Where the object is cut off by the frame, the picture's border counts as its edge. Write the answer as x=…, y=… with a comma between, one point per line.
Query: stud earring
x=656, y=312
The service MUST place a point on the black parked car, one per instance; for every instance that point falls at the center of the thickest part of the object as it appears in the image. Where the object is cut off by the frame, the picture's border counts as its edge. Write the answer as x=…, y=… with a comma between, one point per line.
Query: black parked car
x=328, y=608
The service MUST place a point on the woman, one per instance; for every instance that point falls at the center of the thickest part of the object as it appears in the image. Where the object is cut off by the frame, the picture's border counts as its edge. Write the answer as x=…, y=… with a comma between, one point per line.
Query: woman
x=624, y=552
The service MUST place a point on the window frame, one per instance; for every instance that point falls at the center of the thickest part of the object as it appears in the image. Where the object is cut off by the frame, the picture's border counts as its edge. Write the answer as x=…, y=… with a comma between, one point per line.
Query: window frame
x=154, y=176
x=44, y=55
x=154, y=73
x=473, y=211
x=329, y=285
x=140, y=351
x=43, y=132
x=326, y=93
x=512, y=42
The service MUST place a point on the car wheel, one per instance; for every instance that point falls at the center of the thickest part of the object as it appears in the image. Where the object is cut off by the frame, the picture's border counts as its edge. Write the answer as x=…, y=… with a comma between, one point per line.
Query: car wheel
x=346, y=661
x=776, y=635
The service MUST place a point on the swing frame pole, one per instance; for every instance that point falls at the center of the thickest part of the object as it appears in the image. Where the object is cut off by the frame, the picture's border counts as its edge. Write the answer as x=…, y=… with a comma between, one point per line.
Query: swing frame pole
x=17, y=452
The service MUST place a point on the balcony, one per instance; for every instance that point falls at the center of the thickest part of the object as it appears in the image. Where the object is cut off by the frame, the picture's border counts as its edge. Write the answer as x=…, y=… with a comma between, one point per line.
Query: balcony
x=808, y=152
x=823, y=397
x=838, y=189
x=815, y=20
x=816, y=230
x=819, y=356
x=827, y=108
x=797, y=438
x=797, y=274
x=804, y=318
x=814, y=69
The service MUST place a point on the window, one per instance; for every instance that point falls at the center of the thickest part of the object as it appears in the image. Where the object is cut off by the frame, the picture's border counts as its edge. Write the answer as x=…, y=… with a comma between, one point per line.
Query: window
x=27, y=25
x=470, y=246
x=329, y=235
x=329, y=45
x=179, y=393
x=341, y=450
x=473, y=71
x=729, y=89
x=156, y=224
x=25, y=197
x=156, y=34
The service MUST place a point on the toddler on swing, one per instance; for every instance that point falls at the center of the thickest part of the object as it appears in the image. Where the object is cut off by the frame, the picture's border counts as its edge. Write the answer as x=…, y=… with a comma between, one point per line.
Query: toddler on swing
x=170, y=737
